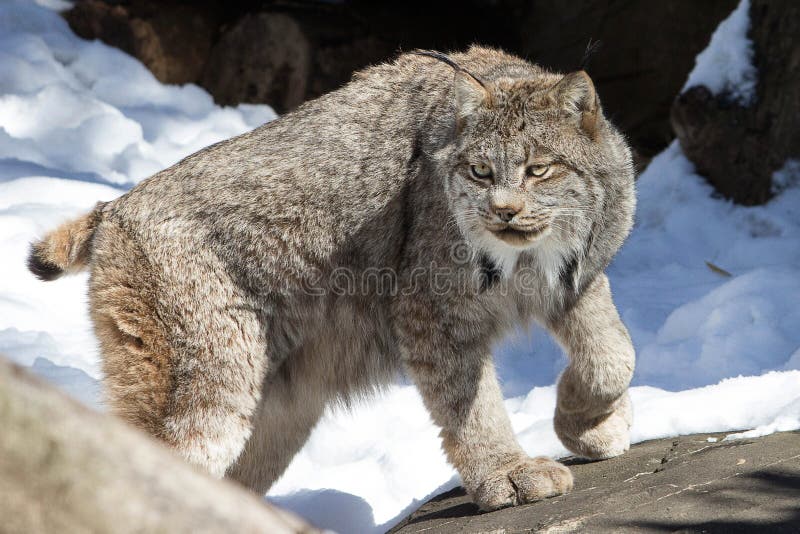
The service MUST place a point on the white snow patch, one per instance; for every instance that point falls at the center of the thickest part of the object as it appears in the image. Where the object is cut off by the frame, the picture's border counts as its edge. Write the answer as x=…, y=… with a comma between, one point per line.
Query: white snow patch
x=56, y=5
x=787, y=418
x=787, y=176
x=726, y=65
x=715, y=353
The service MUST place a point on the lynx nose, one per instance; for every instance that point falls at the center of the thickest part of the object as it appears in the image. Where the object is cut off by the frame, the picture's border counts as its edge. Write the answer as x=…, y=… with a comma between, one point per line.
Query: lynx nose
x=506, y=213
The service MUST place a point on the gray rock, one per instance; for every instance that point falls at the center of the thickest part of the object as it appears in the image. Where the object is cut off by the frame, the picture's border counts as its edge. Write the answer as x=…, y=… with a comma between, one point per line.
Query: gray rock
x=684, y=484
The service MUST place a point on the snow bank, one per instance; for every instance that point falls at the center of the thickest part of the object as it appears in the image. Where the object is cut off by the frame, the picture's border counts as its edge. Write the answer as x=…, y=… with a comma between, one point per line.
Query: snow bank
x=85, y=109
x=79, y=121
x=726, y=66
x=788, y=418
x=692, y=325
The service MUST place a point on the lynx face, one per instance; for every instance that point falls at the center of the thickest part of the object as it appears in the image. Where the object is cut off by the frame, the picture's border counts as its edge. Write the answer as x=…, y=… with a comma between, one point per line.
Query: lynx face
x=516, y=190
x=527, y=171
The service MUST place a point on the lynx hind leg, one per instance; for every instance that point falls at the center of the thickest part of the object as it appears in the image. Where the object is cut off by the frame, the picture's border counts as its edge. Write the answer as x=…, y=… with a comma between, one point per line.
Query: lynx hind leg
x=170, y=369
x=283, y=422
x=136, y=353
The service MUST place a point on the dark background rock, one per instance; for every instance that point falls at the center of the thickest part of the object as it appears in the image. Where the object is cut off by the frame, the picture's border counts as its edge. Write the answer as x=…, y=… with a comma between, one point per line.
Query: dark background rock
x=283, y=52
x=716, y=134
x=737, y=147
x=263, y=57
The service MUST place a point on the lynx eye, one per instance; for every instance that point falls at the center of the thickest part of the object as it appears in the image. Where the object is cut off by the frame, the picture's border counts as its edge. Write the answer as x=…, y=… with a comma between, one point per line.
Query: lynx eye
x=481, y=170
x=537, y=170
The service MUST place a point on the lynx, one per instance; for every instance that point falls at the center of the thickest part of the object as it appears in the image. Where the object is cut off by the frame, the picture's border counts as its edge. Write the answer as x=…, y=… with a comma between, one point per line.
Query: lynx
x=474, y=193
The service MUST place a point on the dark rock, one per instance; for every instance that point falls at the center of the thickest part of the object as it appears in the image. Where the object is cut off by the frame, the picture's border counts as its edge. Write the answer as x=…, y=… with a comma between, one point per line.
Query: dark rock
x=334, y=63
x=712, y=133
x=172, y=39
x=738, y=148
x=264, y=57
x=683, y=484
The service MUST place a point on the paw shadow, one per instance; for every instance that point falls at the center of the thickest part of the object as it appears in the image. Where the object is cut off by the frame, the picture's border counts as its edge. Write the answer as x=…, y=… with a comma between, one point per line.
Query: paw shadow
x=577, y=460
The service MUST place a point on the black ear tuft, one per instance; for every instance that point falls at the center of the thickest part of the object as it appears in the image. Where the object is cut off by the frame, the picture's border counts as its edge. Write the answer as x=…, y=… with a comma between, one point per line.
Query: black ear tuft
x=591, y=49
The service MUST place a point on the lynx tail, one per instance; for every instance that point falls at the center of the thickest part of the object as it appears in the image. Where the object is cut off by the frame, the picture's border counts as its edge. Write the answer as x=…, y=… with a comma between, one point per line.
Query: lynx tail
x=67, y=249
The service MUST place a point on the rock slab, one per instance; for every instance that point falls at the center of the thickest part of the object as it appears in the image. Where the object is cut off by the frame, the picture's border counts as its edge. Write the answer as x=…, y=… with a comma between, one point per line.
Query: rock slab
x=685, y=484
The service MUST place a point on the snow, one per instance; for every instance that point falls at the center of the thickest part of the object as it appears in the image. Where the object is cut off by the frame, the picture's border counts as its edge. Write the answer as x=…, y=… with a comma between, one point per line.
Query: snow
x=80, y=122
x=726, y=65
x=61, y=96
x=787, y=418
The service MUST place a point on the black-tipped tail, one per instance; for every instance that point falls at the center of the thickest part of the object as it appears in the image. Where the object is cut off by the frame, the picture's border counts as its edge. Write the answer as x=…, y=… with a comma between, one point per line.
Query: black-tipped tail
x=40, y=267
x=66, y=249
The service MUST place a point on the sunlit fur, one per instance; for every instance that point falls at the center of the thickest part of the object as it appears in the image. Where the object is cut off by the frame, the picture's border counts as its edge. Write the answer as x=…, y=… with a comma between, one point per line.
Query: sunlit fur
x=216, y=285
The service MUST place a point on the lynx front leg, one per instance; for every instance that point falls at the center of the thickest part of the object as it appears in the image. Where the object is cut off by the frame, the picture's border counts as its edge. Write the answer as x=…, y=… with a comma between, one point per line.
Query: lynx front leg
x=593, y=411
x=463, y=396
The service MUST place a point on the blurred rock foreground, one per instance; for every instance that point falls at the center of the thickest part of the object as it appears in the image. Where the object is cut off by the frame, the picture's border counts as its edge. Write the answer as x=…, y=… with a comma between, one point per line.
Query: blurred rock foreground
x=283, y=52
x=65, y=468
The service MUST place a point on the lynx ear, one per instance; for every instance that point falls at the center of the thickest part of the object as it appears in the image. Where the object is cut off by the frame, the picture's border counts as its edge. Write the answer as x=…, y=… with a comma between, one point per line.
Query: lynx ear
x=576, y=95
x=471, y=94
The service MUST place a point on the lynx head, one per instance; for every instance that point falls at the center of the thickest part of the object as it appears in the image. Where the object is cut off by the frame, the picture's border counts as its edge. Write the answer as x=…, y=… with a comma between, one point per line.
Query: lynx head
x=535, y=168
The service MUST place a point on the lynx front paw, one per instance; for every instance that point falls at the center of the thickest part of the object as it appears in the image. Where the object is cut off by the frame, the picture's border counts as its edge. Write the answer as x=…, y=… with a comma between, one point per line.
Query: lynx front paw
x=597, y=437
x=528, y=480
